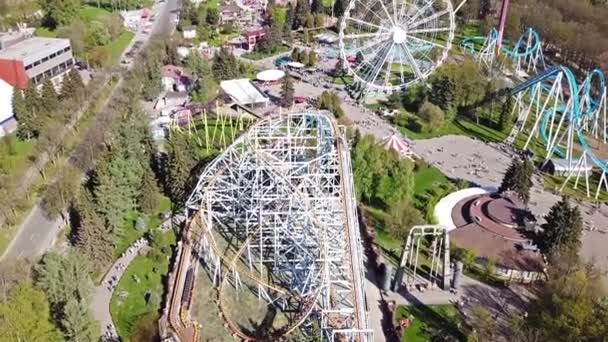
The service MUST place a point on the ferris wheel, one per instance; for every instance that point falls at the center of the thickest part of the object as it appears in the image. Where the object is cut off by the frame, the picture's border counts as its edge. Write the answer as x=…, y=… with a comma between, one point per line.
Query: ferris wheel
x=387, y=45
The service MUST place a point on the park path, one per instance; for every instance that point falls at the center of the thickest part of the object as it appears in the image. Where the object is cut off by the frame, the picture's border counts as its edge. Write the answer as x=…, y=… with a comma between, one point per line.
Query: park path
x=36, y=234
x=103, y=293
x=38, y=231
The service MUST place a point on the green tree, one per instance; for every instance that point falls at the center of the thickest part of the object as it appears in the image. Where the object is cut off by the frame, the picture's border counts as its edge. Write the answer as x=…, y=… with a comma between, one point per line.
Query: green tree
x=225, y=66
x=442, y=92
x=61, y=192
x=13, y=273
x=149, y=200
x=339, y=68
x=571, y=306
x=483, y=323
x=25, y=116
x=287, y=92
x=180, y=163
x=432, y=115
x=504, y=120
x=63, y=277
x=77, y=322
x=72, y=86
x=301, y=13
x=401, y=218
x=213, y=17
x=295, y=55
x=60, y=12
x=48, y=97
x=562, y=229
x=93, y=237
x=518, y=178
x=25, y=316
x=316, y=6
x=313, y=58
x=339, y=8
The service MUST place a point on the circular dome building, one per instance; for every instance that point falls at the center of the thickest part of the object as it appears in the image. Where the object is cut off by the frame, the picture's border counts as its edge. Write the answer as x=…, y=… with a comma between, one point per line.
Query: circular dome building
x=497, y=228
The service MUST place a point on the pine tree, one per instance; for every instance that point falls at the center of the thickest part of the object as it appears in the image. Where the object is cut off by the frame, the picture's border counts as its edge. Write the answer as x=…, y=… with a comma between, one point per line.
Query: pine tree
x=93, y=237
x=442, y=92
x=33, y=120
x=48, y=97
x=24, y=116
x=149, y=199
x=77, y=322
x=301, y=13
x=563, y=228
x=316, y=6
x=287, y=92
x=180, y=163
x=518, y=178
x=339, y=8
x=289, y=19
x=72, y=86
x=225, y=65
x=505, y=114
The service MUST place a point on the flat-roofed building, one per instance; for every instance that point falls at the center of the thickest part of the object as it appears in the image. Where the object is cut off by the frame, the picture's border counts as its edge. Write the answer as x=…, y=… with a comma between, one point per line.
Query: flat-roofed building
x=35, y=59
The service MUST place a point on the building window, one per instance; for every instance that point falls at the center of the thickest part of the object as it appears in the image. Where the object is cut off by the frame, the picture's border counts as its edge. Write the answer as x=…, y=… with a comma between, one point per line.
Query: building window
x=47, y=74
x=36, y=63
x=66, y=49
x=70, y=62
x=28, y=67
x=53, y=55
x=45, y=59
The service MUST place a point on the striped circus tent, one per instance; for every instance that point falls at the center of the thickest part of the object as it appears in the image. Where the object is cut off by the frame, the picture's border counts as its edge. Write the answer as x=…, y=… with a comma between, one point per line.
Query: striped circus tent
x=398, y=145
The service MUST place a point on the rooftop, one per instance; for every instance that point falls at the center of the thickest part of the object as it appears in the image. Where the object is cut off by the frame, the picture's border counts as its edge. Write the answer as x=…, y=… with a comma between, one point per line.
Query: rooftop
x=485, y=224
x=243, y=91
x=34, y=48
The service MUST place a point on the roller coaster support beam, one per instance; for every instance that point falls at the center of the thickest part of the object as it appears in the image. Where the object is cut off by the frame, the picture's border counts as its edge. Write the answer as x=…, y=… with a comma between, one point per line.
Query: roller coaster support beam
x=503, y=22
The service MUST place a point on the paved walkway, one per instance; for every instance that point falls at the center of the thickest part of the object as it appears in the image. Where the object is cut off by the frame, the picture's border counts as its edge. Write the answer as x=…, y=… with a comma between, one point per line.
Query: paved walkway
x=103, y=293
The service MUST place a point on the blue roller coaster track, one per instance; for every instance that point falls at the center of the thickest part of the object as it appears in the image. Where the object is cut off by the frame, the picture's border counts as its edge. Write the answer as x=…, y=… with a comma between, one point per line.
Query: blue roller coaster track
x=519, y=49
x=585, y=98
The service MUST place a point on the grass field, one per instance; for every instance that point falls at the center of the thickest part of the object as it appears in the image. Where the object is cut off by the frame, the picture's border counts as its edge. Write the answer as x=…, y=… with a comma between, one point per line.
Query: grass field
x=255, y=55
x=140, y=291
x=130, y=234
x=457, y=127
x=552, y=183
x=45, y=32
x=430, y=323
x=425, y=179
x=341, y=80
x=116, y=47
x=89, y=13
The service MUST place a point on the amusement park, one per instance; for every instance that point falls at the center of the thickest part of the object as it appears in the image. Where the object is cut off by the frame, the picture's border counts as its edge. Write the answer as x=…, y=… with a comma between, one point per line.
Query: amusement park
x=355, y=203
x=313, y=170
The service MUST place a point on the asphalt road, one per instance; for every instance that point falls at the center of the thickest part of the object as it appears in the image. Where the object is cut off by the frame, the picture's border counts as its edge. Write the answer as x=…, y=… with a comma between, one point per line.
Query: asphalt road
x=38, y=232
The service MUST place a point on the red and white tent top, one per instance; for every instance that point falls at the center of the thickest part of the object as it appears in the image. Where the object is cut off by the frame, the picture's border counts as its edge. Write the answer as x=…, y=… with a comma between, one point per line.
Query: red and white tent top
x=398, y=145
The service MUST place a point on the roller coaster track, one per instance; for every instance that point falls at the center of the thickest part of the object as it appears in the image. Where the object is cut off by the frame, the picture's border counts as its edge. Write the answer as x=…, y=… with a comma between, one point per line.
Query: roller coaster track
x=283, y=191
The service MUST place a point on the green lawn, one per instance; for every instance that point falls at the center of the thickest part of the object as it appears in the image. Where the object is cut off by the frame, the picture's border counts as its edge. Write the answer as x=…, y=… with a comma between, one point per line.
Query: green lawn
x=143, y=278
x=457, y=127
x=425, y=179
x=130, y=234
x=89, y=13
x=116, y=47
x=255, y=55
x=45, y=32
x=341, y=80
x=219, y=39
x=552, y=183
x=212, y=4
x=430, y=323
x=14, y=154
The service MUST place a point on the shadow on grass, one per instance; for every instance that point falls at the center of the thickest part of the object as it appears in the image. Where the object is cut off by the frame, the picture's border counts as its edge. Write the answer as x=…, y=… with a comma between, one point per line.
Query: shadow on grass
x=435, y=324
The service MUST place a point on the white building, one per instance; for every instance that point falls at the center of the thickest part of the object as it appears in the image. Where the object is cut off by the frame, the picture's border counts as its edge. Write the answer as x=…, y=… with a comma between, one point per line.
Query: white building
x=7, y=118
x=189, y=32
x=244, y=93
